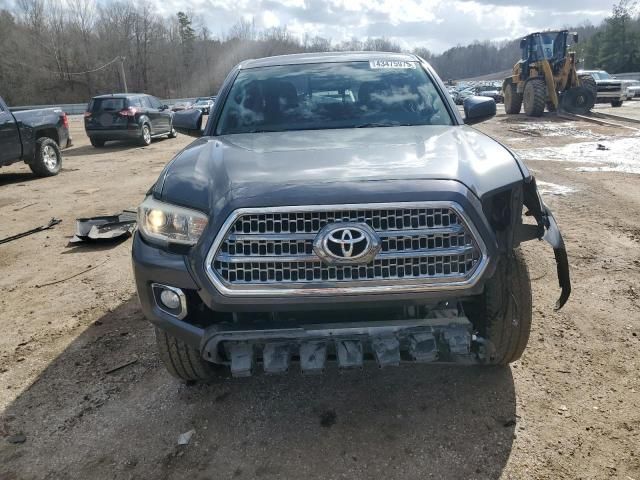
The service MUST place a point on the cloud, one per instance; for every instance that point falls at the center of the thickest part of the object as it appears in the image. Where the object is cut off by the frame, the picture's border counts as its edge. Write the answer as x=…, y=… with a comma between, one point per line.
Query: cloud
x=435, y=24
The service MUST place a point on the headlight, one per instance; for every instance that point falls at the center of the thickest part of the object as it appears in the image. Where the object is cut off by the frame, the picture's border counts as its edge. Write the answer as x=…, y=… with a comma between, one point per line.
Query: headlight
x=168, y=223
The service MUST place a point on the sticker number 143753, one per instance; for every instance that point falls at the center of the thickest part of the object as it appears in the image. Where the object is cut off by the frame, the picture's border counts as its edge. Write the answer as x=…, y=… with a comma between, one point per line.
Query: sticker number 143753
x=391, y=64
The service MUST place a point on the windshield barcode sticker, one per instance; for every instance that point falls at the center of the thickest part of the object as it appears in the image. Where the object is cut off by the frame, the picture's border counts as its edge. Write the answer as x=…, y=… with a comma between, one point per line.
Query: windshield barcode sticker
x=391, y=64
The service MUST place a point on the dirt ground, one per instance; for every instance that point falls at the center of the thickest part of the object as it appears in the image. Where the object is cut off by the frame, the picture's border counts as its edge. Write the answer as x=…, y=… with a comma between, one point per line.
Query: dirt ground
x=569, y=409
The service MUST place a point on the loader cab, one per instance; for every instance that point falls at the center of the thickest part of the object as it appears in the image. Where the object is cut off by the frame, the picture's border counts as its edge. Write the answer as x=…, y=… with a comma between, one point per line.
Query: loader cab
x=540, y=46
x=544, y=46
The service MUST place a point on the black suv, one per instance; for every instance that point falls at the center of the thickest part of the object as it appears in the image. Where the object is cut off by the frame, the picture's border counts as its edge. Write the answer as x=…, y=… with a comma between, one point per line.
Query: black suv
x=127, y=117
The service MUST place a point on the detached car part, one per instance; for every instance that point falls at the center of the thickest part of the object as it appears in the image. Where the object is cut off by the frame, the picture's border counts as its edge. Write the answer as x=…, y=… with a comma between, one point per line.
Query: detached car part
x=105, y=228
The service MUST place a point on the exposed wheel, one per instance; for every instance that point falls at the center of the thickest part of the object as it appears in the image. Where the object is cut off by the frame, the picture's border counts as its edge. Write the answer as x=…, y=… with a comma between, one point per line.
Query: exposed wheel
x=47, y=160
x=97, y=143
x=535, y=97
x=183, y=361
x=616, y=103
x=145, y=135
x=172, y=133
x=502, y=315
x=588, y=82
x=512, y=99
x=578, y=100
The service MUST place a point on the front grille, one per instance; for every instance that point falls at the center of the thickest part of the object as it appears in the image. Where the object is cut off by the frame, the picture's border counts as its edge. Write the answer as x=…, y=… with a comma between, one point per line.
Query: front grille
x=609, y=88
x=423, y=244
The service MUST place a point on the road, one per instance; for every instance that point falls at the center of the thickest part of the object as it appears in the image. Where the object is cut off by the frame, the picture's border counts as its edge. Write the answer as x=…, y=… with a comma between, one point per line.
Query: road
x=568, y=409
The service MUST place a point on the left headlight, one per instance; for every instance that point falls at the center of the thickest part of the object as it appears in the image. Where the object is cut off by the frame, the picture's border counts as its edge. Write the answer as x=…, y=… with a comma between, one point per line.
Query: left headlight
x=166, y=223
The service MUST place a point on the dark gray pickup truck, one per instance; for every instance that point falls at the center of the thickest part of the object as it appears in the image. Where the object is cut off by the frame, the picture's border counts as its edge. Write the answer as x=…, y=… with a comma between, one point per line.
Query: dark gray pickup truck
x=34, y=137
x=337, y=207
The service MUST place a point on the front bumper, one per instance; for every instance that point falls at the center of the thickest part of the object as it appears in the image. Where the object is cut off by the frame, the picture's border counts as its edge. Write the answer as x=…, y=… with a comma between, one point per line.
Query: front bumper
x=208, y=308
x=608, y=96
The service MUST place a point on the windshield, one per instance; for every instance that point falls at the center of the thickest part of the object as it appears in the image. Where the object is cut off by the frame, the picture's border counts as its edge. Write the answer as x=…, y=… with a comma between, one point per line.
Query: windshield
x=601, y=75
x=107, y=104
x=331, y=95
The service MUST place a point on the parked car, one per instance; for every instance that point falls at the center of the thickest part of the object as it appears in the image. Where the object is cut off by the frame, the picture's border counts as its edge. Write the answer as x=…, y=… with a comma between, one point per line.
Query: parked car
x=376, y=228
x=34, y=137
x=127, y=116
x=609, y=88
x=180, y=106
x=490, y=91
x=464, y=94
x=631, y=88
x=204, y=105
x=634, y=89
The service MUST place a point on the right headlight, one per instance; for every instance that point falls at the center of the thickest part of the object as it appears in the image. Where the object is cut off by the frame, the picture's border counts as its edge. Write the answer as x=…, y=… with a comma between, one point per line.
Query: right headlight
x=166, y=223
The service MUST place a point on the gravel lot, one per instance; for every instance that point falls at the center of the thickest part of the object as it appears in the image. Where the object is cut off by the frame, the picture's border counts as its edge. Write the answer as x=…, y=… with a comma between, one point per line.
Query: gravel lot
x=569, y=409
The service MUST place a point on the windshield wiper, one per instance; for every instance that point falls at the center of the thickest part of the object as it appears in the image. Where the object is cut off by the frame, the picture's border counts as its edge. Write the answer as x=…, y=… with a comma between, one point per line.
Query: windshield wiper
x=374, y=124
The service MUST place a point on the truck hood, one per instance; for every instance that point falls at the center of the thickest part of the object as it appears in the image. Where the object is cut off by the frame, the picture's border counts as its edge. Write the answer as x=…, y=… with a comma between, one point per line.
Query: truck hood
x=213, y=168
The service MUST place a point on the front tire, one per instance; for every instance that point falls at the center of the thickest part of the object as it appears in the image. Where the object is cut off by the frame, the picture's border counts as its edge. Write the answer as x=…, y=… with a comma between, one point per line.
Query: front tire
x=535, y=97
x=588, y=82
x=47, y=160
x=512, y=99
x=502, y=315
x=616, y=103
x=183, y=361
x=97, y=143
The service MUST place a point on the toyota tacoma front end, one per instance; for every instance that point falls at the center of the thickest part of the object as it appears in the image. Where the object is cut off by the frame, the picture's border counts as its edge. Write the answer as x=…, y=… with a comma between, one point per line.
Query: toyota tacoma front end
x=337, y=208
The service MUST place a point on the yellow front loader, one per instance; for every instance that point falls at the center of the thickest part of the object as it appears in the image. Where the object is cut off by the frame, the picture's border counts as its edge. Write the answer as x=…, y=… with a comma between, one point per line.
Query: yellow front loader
x=546, y=77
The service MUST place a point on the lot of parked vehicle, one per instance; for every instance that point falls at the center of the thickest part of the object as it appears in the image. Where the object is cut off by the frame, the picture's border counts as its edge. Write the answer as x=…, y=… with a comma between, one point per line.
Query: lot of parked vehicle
x=84, y=394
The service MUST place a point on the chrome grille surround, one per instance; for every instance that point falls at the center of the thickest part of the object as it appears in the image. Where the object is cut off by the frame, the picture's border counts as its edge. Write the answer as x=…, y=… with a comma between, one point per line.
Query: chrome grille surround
x=268, y=252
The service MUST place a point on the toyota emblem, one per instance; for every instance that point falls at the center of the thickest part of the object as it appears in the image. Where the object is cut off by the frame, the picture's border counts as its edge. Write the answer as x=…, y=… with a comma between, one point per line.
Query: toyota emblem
x=355, y=243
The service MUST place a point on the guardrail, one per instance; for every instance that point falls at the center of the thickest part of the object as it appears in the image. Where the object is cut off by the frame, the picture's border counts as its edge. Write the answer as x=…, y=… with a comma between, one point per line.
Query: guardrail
x=80, y=108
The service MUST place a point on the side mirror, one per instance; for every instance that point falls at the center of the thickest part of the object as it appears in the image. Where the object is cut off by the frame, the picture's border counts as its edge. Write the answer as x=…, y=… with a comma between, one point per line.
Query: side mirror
x=478, y=109
x=188, y=122
x=575, y=38
x=164, y=107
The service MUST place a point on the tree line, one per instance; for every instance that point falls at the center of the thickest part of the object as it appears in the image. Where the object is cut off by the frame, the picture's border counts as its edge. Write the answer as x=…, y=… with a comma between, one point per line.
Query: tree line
x=54, y=51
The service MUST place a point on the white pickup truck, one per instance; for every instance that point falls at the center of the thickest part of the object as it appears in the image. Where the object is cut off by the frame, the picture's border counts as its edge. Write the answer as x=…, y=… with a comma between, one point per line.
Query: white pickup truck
x=610, y=89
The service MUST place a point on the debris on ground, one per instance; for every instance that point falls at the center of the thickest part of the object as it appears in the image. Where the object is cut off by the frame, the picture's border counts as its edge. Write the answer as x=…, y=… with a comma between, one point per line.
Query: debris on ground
x=52, y=223
x=88, y=269
x=185, y=438
x=120, y=367
x=105, y=228
x=328, y=418
x=603, y=147
x=17, y=438
x=510, y=422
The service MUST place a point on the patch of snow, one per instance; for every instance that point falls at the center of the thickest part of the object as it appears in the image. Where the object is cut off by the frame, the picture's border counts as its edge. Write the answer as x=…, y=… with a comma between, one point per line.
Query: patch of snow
x=553, y=129
x=548, y=188
x=611, y=155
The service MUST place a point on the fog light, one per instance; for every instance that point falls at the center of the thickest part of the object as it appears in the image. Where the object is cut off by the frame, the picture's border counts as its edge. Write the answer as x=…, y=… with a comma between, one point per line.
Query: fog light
x=170, y=299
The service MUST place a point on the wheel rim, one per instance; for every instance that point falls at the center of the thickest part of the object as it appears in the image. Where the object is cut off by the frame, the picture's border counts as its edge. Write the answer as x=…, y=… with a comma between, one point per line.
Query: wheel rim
x=49, y=157
x=146, y=134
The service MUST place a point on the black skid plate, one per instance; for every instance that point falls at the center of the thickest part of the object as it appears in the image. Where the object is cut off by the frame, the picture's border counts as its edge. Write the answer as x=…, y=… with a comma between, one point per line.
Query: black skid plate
x=447, y=338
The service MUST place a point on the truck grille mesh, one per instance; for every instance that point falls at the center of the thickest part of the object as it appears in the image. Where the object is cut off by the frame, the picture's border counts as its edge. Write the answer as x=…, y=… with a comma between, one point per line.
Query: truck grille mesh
x=276, y=249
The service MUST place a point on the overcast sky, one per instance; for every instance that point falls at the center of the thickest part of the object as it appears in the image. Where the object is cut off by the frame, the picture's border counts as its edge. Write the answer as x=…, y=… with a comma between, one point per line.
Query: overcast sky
x=435, y=24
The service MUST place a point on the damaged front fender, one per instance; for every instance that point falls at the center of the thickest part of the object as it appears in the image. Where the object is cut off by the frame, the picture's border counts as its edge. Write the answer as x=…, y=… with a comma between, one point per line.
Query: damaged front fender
x=546, y=229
